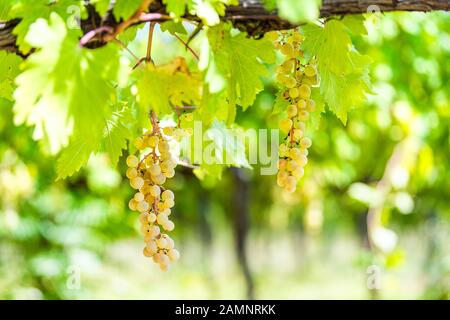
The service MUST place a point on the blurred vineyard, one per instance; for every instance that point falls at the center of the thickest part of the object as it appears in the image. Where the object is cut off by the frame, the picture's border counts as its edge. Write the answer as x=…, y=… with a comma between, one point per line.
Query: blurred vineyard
x=241, y=236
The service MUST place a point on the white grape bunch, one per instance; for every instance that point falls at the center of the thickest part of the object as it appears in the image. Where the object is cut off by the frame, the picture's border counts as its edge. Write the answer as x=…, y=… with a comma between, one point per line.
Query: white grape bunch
x=296, y=77
x=148, y=172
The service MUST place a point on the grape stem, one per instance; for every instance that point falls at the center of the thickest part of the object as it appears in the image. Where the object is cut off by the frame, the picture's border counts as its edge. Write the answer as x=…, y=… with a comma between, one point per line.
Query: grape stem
x=187, y=46
x=148, y=57
x=123, y=45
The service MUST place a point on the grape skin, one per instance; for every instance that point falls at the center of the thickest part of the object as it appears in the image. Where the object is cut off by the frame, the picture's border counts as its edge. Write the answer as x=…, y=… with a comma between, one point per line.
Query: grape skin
x=297, y=79
x=153, y=201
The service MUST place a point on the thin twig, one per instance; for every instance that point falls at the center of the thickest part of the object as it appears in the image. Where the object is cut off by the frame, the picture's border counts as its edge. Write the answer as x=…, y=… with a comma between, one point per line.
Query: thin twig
x=187, y=46
x=127, y=49
x=148, y=56
x=93, y=33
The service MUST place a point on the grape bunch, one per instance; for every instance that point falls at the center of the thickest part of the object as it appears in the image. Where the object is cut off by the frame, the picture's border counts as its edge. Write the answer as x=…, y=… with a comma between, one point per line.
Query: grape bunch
x=296, y=77
x=147, y=173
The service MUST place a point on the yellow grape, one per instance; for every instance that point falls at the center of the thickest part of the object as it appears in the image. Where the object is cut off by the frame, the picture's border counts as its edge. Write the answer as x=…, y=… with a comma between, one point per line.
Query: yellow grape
x=311, y=107
x=132, y=161
x=303, y=115
x=291, y=111
x=294, y=92
x=310, y=71
x=137, y=183
x=286, y=125
x=305, y=91
x=305, y=142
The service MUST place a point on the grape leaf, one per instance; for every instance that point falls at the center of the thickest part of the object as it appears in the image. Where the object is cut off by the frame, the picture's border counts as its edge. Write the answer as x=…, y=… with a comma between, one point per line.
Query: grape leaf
x=355, y=24
x=226, y=146
x=101, y=6
x=9, y=69
x=75, y=96
x=38, y=102
x=320, y=107
x=212, y=106
x=162, y=87
x=5, y=7
x=209, y=11
x=280, y=104
x=234, y=62
x=75, y=156
x=30, y=11
x=177, y=7
x=173, y=27
x=116, y=134
x=123, y=9
x=345, y=78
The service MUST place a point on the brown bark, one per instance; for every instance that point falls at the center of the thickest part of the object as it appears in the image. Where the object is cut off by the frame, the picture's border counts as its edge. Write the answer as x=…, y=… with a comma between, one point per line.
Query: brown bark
x=251, y=16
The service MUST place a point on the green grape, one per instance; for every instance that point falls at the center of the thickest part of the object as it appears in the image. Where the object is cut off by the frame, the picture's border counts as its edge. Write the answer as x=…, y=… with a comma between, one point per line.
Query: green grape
x=137, y=183
x=303, y=115
x=294, y=93
x=132, y=161
x=305, y=91
x=310, y=71
x=305, y=142
x=296, y=81
x=148, y=176
x=286, y=125
x=311, y=106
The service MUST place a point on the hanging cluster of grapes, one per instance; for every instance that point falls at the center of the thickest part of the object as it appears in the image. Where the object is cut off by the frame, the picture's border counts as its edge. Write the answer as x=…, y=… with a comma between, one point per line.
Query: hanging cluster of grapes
x=297, y=77
x=147, y=173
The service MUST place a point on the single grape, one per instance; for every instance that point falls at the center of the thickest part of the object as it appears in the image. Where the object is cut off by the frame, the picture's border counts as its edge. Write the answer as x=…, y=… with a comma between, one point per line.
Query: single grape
x=137, y=183
x=131, y=173
x=167, y=194
x=132, y=161
x=310, y=71
x=305, y=91
x=173, y=254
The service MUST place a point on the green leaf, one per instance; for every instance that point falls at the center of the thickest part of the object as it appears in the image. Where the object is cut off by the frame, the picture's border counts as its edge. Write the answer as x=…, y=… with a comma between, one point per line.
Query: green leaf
x=173, y=27
x=9, y=69
x=116, y=134
x=296, y=11
x=75, y=156
x=101, y=6
x=234, y=62
x=176, y=7
x=320, y=107
x=30, y=11
x=123, y=9
x=355, y=24
x=5, y=7
x=165, y=86
x=213, y=106
x=226, y=145
x=209, y=11
x=280, y=104
x=74, y=98
x=344, y=78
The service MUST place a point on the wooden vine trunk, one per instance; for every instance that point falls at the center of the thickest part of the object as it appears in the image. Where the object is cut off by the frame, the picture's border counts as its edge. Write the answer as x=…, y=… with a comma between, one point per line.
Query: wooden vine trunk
x=251, y=16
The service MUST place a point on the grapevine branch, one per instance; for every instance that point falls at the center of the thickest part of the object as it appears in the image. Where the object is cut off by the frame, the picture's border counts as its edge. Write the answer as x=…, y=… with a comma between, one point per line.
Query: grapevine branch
x=250, y=16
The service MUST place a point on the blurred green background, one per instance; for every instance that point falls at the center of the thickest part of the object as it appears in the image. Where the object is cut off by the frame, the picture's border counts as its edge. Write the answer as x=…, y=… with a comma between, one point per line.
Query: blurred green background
x=242, y=237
